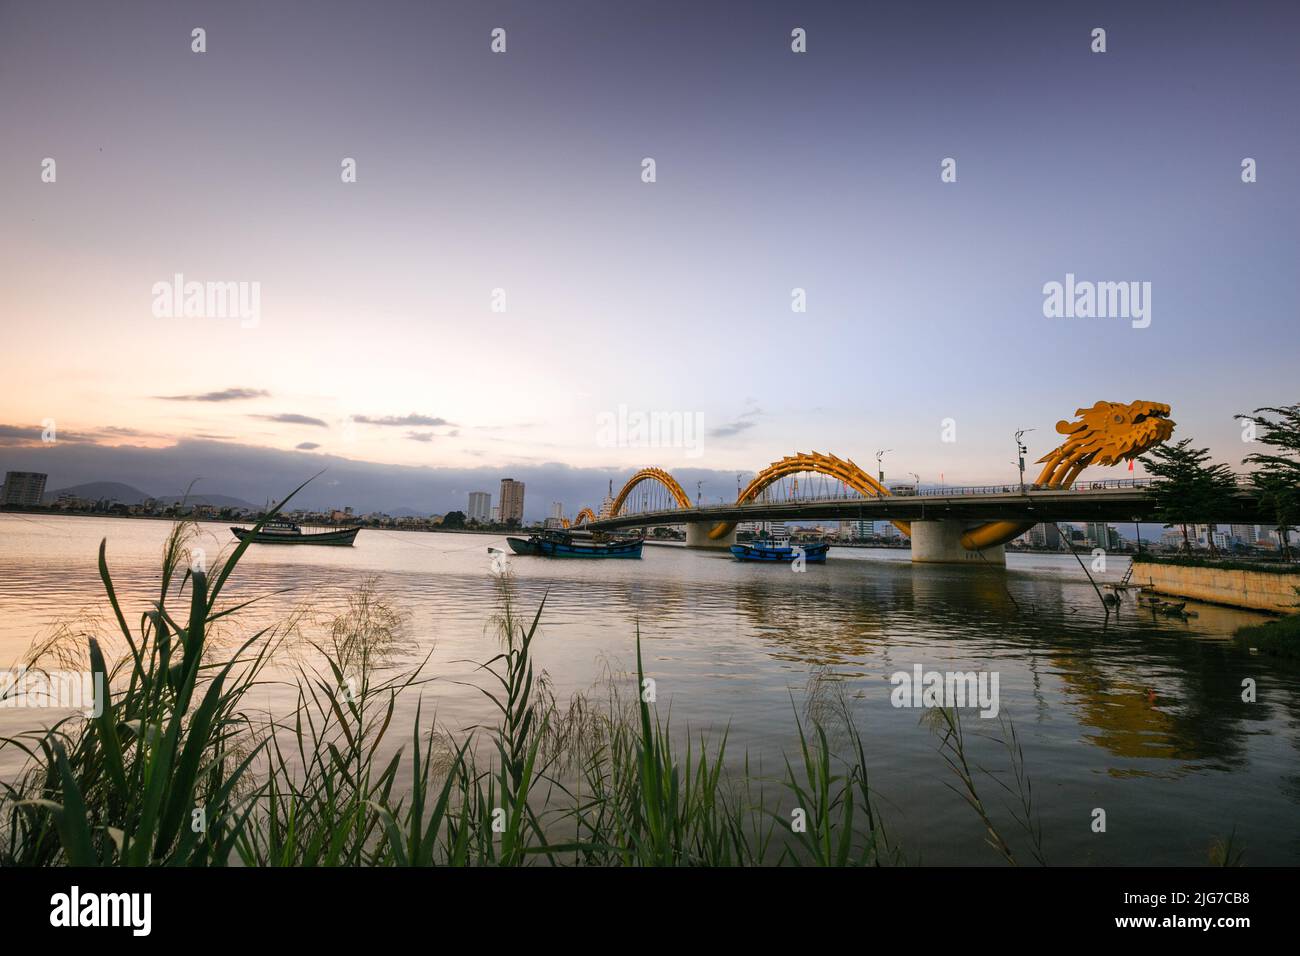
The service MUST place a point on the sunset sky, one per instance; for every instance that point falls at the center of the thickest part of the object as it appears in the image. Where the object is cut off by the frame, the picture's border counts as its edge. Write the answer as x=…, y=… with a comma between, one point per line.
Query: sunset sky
x=376, y=343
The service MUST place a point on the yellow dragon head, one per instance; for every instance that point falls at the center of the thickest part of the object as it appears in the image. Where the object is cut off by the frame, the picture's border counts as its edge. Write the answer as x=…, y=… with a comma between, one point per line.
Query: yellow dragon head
x=1106, y=434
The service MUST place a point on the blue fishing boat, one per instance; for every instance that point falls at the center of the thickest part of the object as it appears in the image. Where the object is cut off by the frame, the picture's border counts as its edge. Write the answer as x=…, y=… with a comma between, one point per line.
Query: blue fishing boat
x=771, y=552
x=570, y=544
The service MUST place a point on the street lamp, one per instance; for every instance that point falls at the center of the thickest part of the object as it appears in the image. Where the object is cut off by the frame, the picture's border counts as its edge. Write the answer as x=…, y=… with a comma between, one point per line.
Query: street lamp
x=1020, y=455
x=880, y=464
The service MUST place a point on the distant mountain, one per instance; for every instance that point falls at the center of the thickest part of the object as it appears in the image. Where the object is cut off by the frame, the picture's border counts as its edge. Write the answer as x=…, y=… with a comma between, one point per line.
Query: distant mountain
x=130, y=495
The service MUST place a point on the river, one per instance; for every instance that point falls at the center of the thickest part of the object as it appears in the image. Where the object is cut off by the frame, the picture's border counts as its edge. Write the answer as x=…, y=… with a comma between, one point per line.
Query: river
x=1139, y=715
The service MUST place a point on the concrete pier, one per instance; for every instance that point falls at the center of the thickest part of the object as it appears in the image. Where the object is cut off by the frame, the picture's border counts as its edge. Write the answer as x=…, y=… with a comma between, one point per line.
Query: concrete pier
x=939, y=542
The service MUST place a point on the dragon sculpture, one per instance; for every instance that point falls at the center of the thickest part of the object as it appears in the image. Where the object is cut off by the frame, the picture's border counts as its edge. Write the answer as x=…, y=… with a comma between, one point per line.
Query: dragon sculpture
x=1106, y=434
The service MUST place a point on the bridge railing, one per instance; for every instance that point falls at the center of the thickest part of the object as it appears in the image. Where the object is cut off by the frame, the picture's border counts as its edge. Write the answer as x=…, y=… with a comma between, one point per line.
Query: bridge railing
x=949, y=491
x=1100, y=484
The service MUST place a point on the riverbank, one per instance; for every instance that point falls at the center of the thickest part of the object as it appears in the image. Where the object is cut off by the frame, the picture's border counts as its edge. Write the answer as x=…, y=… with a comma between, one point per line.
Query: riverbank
x=1280, y=638
x=1253, y=586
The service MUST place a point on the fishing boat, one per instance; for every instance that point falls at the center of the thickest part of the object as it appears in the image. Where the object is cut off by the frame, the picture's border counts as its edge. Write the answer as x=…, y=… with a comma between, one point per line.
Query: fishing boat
x=571, y=544
x=279, y=531
x=770, y=551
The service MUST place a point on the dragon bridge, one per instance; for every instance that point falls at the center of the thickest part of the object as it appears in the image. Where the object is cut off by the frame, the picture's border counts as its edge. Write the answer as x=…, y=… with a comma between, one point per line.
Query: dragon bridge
x=1105, y=434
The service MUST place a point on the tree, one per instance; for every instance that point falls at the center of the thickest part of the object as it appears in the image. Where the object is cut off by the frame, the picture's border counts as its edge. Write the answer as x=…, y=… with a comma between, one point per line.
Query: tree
x=453, y=519
x=1189, y=488
x=1278, y=476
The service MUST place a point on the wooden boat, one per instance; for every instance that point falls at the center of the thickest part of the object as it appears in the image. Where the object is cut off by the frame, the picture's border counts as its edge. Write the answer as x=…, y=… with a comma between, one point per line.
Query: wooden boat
x=279, y=531
x=570, y=544
x=773, y=552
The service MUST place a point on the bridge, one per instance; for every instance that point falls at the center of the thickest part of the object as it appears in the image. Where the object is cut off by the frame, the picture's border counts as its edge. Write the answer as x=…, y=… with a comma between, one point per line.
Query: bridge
x=946, y=525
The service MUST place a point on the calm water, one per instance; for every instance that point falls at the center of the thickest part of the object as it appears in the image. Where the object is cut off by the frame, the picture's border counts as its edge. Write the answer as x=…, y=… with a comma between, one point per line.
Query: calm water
x=1142, y=717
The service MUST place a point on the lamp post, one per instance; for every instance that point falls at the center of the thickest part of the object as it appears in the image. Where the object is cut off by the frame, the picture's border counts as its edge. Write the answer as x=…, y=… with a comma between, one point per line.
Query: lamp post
x=880, y=463
x=1020, y=455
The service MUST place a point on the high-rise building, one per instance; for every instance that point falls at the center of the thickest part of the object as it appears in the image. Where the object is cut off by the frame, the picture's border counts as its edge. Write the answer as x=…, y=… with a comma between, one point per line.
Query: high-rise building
x=24, y=488
x=480, y=507
x=557, y=510
x=1203, y=535
x=1247, y=534
x=512, y=501
x=1098, y=533
x=1045, y=536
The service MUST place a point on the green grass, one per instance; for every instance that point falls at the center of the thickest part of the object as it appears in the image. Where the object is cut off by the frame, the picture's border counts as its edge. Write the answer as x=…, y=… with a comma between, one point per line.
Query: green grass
x=180, y=769
x=1266, y=566
x=1280, y=638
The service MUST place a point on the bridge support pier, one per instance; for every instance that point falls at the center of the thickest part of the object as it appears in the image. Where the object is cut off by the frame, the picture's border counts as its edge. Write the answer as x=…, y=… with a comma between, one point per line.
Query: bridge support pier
x=939, y=542
x=697, y=536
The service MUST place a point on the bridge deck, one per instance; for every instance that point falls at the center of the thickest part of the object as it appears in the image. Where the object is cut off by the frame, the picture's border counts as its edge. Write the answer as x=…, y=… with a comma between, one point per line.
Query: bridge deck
x=1117, y=505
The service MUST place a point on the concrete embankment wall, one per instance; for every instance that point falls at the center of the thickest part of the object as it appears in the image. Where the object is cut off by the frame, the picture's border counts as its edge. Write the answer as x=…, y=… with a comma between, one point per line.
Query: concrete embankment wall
x=1257, y=590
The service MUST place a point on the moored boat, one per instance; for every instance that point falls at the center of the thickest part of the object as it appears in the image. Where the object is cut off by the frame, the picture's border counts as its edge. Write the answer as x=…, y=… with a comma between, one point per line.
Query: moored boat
x=279, y=531
x=569, y=544
x=769, y=552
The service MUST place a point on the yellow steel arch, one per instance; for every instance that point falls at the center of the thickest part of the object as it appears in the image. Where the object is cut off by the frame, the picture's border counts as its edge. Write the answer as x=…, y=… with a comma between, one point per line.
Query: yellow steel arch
x=585, y=515
x=651, y=474
x=844, y=470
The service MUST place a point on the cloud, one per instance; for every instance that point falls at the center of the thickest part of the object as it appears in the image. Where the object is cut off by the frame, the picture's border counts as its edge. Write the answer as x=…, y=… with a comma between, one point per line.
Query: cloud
x=225, y=395
x=292, y=419
x=20, y=435
x=408, y=420
x=420, y=436
x=729, y=429
x=307, y=446
x=744, y=421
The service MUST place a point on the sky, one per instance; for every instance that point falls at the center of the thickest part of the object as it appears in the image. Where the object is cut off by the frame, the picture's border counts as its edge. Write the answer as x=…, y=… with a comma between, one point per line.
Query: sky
x=486, y=179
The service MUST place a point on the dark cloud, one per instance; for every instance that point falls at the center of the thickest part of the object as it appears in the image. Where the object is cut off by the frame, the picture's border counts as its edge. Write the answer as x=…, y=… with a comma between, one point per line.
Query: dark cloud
x=408, y=420
x=307, y=446
x=257, y=474
x=20, y=435
x=225, y=395
x=22, y=432
x=292, y=419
